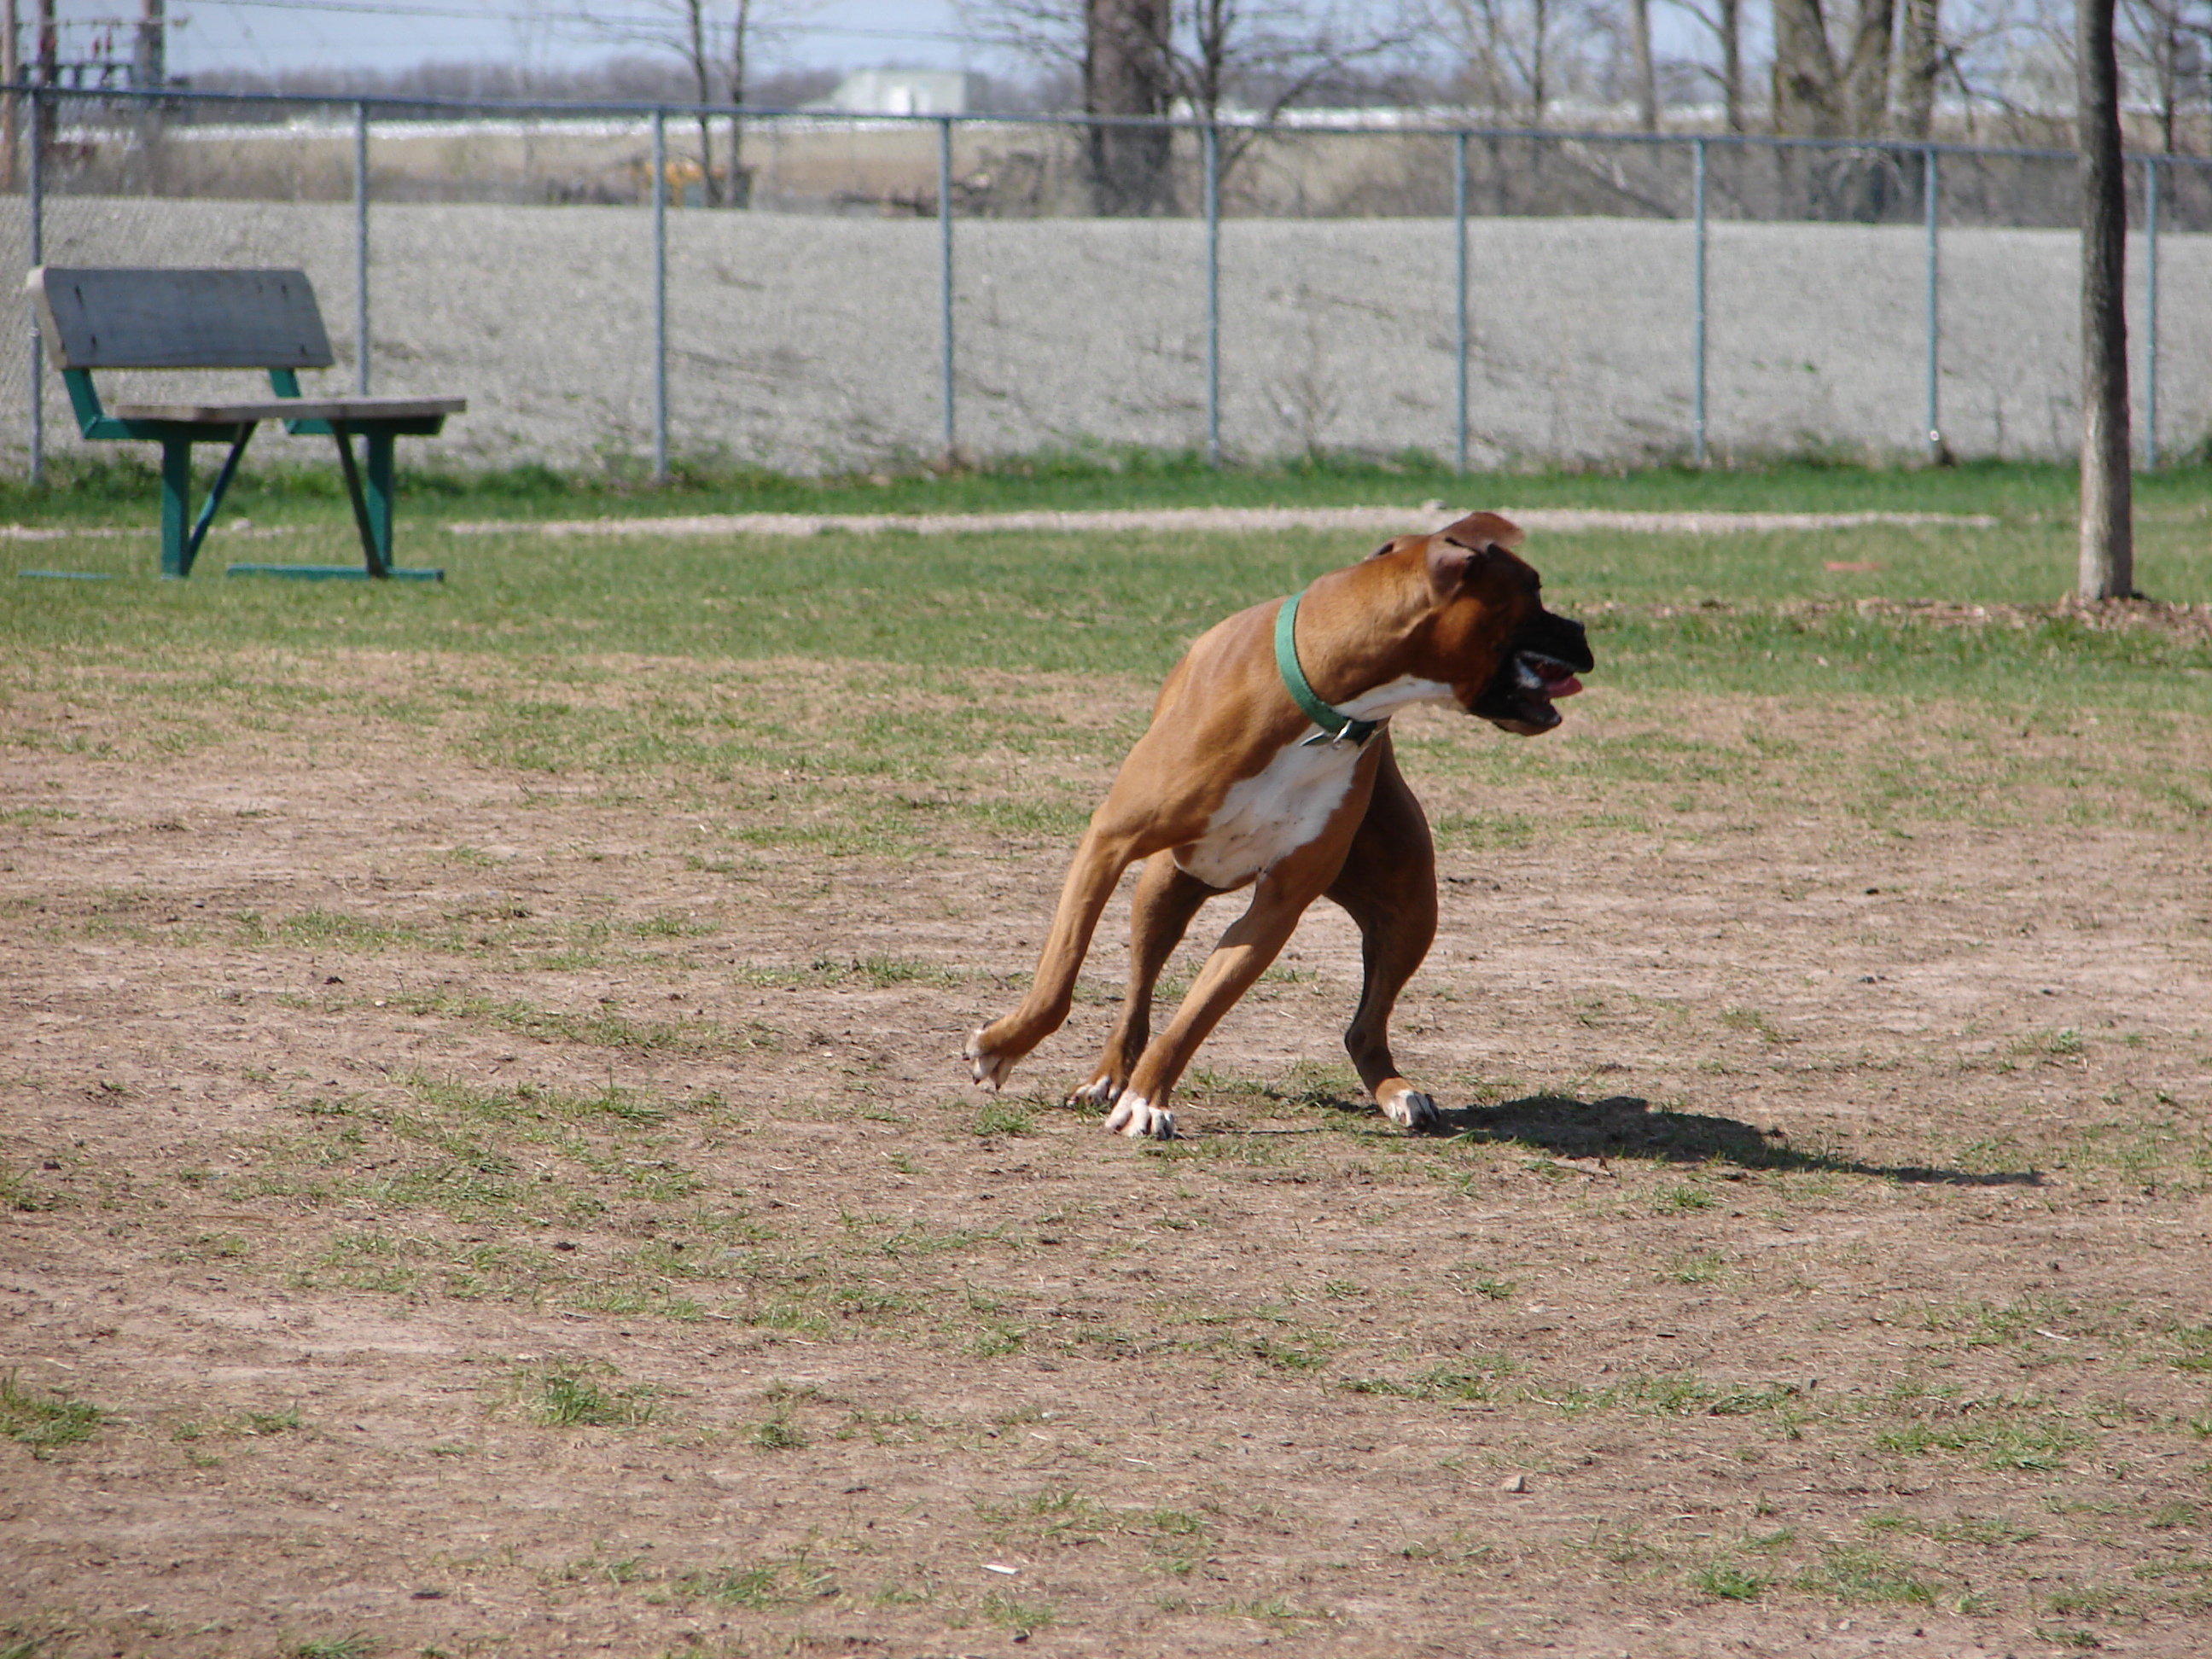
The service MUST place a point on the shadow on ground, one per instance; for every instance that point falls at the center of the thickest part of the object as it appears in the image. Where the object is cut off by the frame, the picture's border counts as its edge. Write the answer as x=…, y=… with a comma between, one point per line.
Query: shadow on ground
x=1622, y=1126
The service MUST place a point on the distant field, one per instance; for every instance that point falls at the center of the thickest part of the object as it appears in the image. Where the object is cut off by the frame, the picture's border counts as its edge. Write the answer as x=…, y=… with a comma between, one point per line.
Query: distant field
x=484, y=1163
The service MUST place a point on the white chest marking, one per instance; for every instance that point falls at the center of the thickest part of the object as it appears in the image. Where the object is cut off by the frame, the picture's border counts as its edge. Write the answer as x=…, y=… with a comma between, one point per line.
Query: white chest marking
x=1266, y=817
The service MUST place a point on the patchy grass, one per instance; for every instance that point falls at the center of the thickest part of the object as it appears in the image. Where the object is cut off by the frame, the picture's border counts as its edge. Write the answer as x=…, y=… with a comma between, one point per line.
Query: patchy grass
x=1811, y=1228
x=45, y=1422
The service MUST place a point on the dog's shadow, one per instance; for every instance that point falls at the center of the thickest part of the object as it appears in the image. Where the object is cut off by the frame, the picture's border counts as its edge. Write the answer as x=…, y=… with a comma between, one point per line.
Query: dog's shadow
x=1623, y=1127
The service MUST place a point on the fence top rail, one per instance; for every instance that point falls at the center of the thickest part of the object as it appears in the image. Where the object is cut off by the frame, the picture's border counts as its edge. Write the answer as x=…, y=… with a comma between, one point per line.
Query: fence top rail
x=399, y=108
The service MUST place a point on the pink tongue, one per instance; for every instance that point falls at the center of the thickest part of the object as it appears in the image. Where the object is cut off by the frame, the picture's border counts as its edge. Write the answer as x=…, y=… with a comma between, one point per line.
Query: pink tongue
x=1565, y=688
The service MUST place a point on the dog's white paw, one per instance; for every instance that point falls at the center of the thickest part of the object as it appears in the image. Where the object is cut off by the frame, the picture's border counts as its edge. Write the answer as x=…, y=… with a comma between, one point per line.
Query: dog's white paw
x=1139, y=1119
x=1412, y=1108
x=988, y=1069
x=1101, y=1090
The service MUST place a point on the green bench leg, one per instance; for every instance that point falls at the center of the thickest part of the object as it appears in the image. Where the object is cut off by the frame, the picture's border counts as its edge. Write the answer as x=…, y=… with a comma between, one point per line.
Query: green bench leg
x=380, y=495
x=176, y=508
x=181, y=535
x=373, y=549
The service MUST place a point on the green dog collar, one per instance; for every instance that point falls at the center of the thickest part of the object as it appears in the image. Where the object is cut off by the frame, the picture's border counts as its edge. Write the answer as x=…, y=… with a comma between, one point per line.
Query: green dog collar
x=1336, y=725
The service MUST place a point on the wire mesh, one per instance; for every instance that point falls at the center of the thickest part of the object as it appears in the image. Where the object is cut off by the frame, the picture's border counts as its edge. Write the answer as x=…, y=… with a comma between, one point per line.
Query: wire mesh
x=511, y=259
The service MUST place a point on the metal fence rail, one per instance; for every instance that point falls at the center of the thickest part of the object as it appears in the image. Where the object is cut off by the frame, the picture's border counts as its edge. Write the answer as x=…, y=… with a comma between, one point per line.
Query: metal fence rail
x=791, y=334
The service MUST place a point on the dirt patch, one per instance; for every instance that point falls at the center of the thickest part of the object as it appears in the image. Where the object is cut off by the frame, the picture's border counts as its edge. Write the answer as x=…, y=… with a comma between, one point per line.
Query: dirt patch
x=504, y=1180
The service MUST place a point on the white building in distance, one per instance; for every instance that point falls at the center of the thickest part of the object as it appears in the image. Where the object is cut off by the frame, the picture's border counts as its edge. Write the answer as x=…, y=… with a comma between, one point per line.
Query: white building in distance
x=905, y=92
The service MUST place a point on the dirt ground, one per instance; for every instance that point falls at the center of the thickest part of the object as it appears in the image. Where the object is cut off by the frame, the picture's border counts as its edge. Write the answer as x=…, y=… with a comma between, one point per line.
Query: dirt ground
x=496, y=1209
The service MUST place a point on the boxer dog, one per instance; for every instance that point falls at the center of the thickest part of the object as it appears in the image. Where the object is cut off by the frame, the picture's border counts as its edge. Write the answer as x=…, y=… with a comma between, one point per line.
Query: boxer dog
x=1268, y=764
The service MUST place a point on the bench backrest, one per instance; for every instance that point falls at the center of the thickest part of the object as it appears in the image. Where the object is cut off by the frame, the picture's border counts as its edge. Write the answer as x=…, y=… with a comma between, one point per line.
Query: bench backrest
x=125, y=318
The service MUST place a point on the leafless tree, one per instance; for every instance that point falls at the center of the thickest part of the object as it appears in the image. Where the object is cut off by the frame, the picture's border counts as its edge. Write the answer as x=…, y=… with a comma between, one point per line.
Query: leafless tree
x=679, y=26
x=2107, y=570
x=1647, y=78
x=1514, y=52
x=2162, y=52
x=715, y=47
x=1920, y=54
x=741, y=43
x=1820, y=93
x=1127, y=71
x=1724, y=21
x=1146, y=58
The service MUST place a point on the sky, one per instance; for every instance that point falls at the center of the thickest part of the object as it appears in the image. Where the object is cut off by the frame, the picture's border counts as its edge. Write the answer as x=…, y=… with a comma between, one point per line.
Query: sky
x=268, y=35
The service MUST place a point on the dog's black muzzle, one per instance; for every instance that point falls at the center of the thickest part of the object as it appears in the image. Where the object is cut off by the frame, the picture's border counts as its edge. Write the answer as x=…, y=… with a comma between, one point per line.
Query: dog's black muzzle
x=1538, y=671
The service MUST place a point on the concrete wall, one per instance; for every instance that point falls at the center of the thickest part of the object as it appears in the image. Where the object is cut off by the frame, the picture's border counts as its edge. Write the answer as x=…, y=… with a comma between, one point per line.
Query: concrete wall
x=811, y=343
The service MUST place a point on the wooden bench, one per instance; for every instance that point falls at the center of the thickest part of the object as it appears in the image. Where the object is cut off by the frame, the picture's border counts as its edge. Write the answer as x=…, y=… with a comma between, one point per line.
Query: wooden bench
x=94, y=319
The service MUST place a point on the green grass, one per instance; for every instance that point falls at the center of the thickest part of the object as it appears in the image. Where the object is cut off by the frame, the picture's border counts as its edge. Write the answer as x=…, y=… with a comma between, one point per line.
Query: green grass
x=120, y=487
x=1755, y=613
x=358, y=1646
x=42, y=1421
x=571, y=1396
x=1854, y=1573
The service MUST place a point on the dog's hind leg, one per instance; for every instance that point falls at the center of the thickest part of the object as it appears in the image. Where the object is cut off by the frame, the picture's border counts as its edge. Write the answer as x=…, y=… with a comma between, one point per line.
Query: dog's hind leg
x=1166, y=899
x=1388, y=886
x=1101, y=857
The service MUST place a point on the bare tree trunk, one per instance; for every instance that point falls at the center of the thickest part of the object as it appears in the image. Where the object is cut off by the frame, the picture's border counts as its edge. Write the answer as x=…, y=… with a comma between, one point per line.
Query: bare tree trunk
x=1207, y=77
x=741, y=178
x=1126, y=72
x=1647, y=83
x=2107, y=528
x=1865, y=79
x=1919, y=48
x=2169, y=75
x=1732, y=61
x=695, y=20
x=1804, y=71
x=1539, y=93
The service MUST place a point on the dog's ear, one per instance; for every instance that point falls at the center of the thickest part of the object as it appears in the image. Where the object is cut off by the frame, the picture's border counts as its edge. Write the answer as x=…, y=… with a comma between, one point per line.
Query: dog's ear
x=1460, y=547
x=1481, y=529
x=1396, y=543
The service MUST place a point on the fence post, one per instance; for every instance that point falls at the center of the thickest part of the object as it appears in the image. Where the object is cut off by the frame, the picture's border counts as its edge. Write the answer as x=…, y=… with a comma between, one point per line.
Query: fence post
x=1459, y=291
x=1698, y=326
x=361, y=248
x=1212, y=297
x=2150, y=313
x=37, y=187
x=660, y=296
x=1931, y=189
x=945, y=271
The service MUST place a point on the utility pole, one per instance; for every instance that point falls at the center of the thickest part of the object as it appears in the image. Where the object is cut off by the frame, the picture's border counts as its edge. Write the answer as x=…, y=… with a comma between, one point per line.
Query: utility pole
x=43, y=113
x=149, y=72
x=11, y=71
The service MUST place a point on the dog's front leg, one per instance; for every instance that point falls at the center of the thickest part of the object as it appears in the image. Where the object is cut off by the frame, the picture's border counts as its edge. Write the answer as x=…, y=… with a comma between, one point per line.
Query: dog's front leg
x=1166, y=898
x=1100, y=858
x=1251, y=943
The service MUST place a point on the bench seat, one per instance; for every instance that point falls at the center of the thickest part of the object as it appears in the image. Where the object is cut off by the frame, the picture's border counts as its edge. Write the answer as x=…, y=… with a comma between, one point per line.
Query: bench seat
x=352, y=411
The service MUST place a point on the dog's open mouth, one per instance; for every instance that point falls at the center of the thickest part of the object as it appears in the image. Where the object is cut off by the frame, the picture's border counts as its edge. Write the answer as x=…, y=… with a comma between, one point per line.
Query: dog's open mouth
x=1520, y=700
x=1546, y=677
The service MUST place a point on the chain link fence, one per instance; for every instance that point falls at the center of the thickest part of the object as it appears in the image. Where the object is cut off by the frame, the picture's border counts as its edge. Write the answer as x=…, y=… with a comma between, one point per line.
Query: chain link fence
x=898, y=287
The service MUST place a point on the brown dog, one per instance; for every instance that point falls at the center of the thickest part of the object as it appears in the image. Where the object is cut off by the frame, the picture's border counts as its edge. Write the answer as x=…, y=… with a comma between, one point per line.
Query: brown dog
x=1269, y=763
